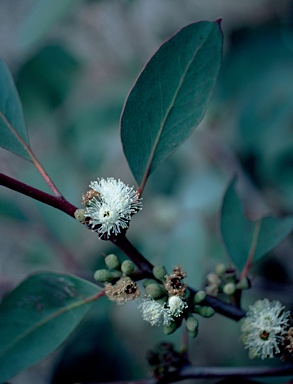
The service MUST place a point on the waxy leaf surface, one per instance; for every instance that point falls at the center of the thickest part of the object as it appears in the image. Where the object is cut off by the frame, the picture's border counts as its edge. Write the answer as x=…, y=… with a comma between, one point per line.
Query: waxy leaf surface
x=170, y=96
x=242, y=236
x=11, y=108
x=37, y=316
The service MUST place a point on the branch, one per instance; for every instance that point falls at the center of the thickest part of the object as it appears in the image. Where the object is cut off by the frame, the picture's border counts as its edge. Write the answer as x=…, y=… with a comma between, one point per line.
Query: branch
x=58, y=202
x=192, y=372
x=221, y=307
x=225, y=309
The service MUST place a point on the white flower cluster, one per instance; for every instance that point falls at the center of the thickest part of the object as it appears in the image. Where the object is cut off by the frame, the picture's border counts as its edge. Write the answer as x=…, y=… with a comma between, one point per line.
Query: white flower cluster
x=110, y=210
x=264, y=328
x=158, y=314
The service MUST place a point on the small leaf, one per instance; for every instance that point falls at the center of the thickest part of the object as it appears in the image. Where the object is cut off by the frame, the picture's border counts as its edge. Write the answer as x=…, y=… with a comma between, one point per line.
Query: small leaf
x=243, y=237
x=12, y=124
x=42, y=17
x=37, y=316
x=170, y=97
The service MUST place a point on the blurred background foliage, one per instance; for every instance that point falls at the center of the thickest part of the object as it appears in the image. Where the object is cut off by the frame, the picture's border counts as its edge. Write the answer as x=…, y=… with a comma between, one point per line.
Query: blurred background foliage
x=74, y=63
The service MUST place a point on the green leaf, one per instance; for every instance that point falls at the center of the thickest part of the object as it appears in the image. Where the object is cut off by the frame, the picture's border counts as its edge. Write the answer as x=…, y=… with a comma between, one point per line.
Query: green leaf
x=37, y=316
x=42, y=17
x=13, y=134
x=170, y=97
x=243, y=237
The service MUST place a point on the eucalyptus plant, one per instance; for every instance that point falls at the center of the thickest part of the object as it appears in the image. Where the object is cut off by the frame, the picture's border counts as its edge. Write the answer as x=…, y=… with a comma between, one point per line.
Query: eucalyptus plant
x=166, y=103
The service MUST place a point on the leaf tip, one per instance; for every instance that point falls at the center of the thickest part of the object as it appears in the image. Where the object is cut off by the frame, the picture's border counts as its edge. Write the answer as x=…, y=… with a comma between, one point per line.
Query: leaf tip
x=219, y=24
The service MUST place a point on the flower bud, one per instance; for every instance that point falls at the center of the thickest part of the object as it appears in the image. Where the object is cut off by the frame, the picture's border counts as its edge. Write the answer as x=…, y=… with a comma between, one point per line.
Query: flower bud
x=79, y=215
x=220, y=269
x=171, y=327
x=103, y=275
x=192, y=326
x=149, y=281
x=127, y=267
x=204, y=311
x=199, y=297
x=159, y=272
x=112, y=261
x=229, y=288
x=155, y=290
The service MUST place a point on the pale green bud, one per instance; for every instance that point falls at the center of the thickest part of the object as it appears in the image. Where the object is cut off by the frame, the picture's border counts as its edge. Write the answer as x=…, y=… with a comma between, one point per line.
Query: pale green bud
x=103, y=275
x=171, y=327
x=149, y=281
x=220, y=269
x=159, y=272
x=229, y=288
x=127, y=267
x=204, y=311
x=199, y=297
x=192, y=326
x=112, y=261
x=155, y=290
x=79, y=215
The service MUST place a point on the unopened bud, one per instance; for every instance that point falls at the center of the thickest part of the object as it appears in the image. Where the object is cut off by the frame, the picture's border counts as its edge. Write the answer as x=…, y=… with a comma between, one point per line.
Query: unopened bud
x=127, y=267
x=170, y=328
x=112, y=261
x=204, y=311
x=192, y=326
x=220, y=269
x=103, y=275
x=229, y=288
x=149, y=281
x=159, y=272
x=155, y=290
x=199, y=297
x=79, y=215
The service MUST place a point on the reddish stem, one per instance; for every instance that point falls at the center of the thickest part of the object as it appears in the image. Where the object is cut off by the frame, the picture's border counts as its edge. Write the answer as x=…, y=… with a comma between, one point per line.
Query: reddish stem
x=58, y=202
x=120, y=241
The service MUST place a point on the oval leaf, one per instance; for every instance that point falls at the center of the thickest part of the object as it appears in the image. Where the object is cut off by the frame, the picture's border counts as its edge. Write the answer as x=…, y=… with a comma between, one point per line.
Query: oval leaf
x=170, y=97
x=13, y=134
x=37, y=316
x=243, y=237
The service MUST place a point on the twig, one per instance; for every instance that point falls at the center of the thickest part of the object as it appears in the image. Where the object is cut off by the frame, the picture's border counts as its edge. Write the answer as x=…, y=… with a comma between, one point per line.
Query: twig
x=225, y=309
x=58, y=202
x=192, y=372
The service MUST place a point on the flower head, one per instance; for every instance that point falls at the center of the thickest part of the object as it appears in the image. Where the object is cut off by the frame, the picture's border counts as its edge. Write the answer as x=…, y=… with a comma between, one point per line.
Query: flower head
x=110, y=204
x=264, y=328
x=176, y=306
x=154, y=312
x=174, y=282
x=124, y=290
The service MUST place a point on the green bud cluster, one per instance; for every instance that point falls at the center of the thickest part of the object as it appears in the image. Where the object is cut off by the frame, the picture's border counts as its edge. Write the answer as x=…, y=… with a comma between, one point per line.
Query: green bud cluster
x=153, y=288
x=115, y=269
x=161, y=289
